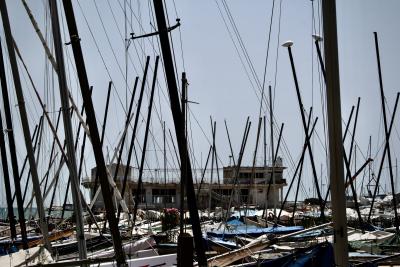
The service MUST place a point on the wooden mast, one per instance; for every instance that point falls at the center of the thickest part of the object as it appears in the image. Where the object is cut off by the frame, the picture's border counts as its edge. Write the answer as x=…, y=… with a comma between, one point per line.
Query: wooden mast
x=335, y=134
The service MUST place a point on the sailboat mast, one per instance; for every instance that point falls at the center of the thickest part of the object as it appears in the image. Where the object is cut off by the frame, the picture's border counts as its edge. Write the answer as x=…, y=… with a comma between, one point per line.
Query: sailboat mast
x=165, y=162
x=271, y=121
x=183, y=172
x=80, y=235
x=94, y=132
x=387, y=135
x=26, y=132
x=335, y=134
x=7, y=186
x=179, y=128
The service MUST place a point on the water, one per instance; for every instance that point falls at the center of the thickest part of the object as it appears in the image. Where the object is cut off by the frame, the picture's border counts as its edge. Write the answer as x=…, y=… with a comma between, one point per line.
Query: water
x=29, y=214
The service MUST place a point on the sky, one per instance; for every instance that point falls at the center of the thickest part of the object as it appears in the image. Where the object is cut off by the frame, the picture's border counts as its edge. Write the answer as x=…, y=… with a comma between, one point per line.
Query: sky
x=218, y=82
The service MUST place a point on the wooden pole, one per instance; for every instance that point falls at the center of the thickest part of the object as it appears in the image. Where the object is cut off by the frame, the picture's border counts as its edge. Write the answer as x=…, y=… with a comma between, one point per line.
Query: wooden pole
x=335, y=134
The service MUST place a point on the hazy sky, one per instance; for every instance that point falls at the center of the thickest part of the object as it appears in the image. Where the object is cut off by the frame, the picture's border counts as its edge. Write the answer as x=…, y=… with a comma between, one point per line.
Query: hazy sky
x=217, y=78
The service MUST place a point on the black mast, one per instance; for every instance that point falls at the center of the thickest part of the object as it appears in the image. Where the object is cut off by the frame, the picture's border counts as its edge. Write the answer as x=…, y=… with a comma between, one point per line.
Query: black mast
x=4, y=164
x=179, y=129
x=387, y=135
x=146, y=134
x=303, y=120
x=103, y=131
x=94, y=132
x=11, y=143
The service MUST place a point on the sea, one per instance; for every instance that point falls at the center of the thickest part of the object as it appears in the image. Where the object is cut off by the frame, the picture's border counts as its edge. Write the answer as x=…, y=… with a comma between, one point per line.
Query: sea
x=32, y=212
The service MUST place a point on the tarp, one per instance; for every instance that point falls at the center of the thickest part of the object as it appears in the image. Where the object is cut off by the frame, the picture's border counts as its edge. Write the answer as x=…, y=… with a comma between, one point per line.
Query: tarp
x=234, y=222
x=253, y=231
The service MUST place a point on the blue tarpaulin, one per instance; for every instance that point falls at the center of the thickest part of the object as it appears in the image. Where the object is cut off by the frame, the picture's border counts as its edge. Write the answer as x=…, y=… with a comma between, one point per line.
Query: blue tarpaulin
x=253, y=231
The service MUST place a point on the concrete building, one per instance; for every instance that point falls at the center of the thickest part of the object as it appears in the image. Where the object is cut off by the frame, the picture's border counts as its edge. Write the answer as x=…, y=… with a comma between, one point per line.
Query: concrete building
x=251, y=188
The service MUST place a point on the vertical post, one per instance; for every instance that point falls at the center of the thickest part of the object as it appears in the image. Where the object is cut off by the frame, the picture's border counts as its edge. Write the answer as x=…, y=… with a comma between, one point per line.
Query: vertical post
x=265, y=211
x=271, y=121
x=183, y=169
x=11, y=144
x=7, y=186
x=179, y=128
x=165, y=163
x=52, y=151
x=397, y=177
x=212, y=167
x=387, y=134
x=146, y=134
x=135, y=125
x=69, y=136
x=103, y=131
x=335, y=133
x=94, y=132
x=26, y=132
x=253, y=184
x=303, y=120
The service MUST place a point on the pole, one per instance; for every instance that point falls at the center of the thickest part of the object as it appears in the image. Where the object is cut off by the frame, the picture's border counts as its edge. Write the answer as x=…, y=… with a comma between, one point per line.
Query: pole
x=184, y=166
x=165, y=162
x=271, y=120
x=343, y=139
x=303, y=120
x=387, y=144
x=133, y=136
x=27, y=135
x=82, y=151
x=139, y=185
x=69, y=136
x=383, y=157
x=179, y=128
x=7, y=186
x=13, y=155
x=335, y=134
x=297, y=169
x=265, y=211
x=212, y=167
x=103, y=131
x=94, y=132
x=52, y=149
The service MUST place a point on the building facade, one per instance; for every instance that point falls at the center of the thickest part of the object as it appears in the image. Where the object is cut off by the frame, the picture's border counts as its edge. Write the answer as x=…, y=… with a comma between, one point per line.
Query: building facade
x=245, y=185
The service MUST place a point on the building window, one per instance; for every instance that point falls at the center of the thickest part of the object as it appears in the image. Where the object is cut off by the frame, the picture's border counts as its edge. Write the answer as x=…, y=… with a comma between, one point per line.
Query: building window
x=142, y=195
x=160, y=196
x=223, y=192
x=259, y=175
x=244, y=195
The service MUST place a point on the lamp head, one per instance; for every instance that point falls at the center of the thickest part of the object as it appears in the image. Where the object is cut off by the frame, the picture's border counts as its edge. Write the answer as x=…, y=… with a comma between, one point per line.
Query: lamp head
x=288, y=43
x=317, y=37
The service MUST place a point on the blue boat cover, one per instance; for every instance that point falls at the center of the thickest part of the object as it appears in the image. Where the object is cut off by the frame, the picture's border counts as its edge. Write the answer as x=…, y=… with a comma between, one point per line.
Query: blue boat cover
x=234, y=222
x=253, y=231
